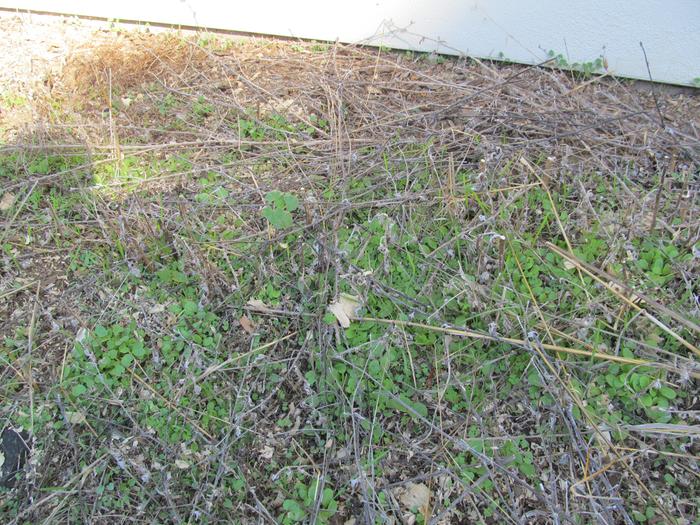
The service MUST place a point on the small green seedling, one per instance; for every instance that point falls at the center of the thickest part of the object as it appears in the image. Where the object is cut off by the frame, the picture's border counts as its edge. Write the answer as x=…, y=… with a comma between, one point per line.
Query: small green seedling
x=104, y=357
x=298, y=507
x=280, y=208
x=202, y=108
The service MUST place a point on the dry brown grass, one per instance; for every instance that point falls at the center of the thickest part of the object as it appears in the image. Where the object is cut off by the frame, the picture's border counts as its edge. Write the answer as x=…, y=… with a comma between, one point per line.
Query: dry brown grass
x=126, y=60
x=601, y=123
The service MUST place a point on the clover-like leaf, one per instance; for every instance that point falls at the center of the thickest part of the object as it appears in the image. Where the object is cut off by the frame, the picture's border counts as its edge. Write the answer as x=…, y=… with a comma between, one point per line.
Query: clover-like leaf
x=138, y=350
x=290, y=202
x=278, y=218
x=78, y=390
x=667, y=392
x=275, y=197
x=117, y=371
x=294, y=510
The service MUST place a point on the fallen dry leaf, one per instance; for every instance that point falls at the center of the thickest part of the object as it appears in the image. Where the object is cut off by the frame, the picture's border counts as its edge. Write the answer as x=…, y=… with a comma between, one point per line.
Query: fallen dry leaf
x=76, y=418
x=267, y=452
x=247, y=325
x=257, y=304
x=415, y=496
x=156, y=309
x=181, y=464
x=8, y=199
x=81, y=335
x=345, y=309
x=604, y=439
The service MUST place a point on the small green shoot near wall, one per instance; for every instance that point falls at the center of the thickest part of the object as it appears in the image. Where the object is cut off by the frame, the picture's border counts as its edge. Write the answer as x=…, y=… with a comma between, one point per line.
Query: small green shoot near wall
x=591, y=67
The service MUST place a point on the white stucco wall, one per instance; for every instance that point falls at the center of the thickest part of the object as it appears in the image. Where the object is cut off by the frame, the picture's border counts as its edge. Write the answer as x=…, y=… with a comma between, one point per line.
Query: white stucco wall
x=520, y=30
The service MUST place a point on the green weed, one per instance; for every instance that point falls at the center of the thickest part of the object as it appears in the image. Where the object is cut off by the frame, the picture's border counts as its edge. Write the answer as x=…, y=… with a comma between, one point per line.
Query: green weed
x=279, y=209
